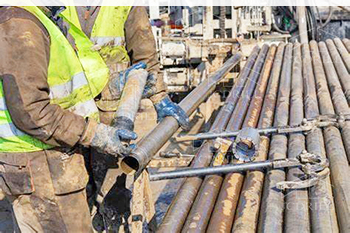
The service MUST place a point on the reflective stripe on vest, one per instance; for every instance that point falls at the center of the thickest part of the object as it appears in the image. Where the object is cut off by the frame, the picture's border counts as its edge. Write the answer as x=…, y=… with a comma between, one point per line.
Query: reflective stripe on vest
x=70, y=87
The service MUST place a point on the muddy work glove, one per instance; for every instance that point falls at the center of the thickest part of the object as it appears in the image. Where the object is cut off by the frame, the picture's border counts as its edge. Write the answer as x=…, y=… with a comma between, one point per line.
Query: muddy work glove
x=117, y=83
x=109, y=139
x=165, y=107
x=150, y=88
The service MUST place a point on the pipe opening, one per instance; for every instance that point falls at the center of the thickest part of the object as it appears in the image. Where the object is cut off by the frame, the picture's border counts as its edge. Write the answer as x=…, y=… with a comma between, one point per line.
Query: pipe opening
x=129, y=165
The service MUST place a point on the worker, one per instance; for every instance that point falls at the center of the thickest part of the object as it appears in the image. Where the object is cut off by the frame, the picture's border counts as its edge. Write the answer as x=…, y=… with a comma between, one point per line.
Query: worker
x=49, y=80
x=126, y=39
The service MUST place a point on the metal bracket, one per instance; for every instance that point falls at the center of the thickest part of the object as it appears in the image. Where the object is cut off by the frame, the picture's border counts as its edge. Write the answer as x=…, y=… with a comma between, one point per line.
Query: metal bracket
x=315, y=168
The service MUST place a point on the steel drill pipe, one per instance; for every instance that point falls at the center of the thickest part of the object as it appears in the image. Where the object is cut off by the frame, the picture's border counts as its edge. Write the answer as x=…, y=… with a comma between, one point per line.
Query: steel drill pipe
x=346, y=42
x=154, y=140
x=271, y=213
x=253, y=182
x=199, y=215
x=340, y=103
x=245, y=220
x=177, y=212
x=340, y=174
x=343, y=74
x=222, y=216
x=322, y=209
x=343, y=52
x=296, y=211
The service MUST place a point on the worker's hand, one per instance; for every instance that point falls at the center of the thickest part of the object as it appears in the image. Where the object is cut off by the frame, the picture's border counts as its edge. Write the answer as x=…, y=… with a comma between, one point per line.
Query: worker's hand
x=150, y=87
x=165, y=107
x=108, y=140
x=117, y=83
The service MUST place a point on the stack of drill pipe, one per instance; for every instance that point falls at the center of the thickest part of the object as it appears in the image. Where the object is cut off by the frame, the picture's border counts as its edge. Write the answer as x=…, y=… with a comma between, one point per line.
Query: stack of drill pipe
x=297, y=209
x=271, y=213
x=346, y=42
x=223, y=212
x=343, y=52
x=247, y=213
x=339, y=167
x=342, y=72
x=199, y=215
x=322, y=211
x=181, y=204
x=339, y=99
x=154, y=140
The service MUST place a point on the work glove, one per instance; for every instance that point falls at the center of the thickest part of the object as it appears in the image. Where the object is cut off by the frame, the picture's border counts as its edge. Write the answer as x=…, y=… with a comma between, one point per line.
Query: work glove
x=165, y=107
x=150, y=87
x=108, y=140
x=116, y=85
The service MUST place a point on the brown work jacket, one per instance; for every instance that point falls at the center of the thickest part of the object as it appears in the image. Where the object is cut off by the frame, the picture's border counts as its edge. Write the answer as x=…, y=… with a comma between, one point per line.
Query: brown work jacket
x=24, y=60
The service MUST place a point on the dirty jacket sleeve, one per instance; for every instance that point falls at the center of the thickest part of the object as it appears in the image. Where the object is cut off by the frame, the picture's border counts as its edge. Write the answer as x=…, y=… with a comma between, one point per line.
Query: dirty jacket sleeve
x=24, y=61
x=140, y=43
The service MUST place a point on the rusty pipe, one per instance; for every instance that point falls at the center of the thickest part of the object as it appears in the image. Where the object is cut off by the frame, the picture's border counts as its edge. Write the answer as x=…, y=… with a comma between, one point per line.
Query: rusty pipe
x=248, y=207
x=271, y=214
x=339, y=167
x=177, y=212
x=339, y=99
x=342, y=72
x=222, y=216
x=154, y=140
x=346, y=42
x=322, y=209
x=343, y=52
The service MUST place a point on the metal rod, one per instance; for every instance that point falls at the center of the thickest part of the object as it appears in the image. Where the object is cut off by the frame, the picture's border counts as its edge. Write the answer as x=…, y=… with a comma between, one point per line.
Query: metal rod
x=177, y=212
x=249, y=204
x=302, y=24
x=271, y=214
x=339, y=166
x=296, y=211
x=346, y=42
x=343, y=52
x=210, y=171
x=323, y=216
x=232, y=183
x=342, y=72
x=339, y=99
x=154, y=140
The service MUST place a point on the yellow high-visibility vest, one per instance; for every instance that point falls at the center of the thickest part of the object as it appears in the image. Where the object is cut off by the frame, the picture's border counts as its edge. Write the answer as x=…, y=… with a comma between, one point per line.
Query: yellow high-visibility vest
x=74, y=78
x=107, y=34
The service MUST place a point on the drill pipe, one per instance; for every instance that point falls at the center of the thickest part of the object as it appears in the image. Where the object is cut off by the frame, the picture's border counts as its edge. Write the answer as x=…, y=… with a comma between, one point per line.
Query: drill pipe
x=346, y=42
x=130, y=100
x=154, y=140
x=247, y=210
x=338, y=97
x=271, y=213
x=322, y=209
x=343, y=74
x=222, y=216
x=343, y=52
x=340, y=174
x=181, y=204
x=254, y=180
x=297, y=210
x=205, y=199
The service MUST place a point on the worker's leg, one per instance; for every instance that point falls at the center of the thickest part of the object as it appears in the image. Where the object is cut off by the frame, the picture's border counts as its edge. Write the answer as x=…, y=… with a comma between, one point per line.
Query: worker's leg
x=56, y=203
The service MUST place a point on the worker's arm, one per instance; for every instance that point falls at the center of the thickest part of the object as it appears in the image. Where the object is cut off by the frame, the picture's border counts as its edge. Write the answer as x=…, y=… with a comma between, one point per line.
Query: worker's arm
x=141, y=47
x=24, y=59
